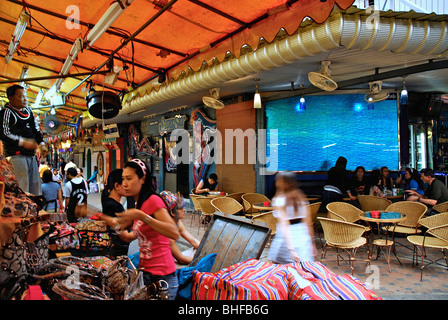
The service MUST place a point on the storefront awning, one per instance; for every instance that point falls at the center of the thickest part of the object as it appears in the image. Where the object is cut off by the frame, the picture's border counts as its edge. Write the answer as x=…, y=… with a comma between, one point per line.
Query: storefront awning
x=154, y=42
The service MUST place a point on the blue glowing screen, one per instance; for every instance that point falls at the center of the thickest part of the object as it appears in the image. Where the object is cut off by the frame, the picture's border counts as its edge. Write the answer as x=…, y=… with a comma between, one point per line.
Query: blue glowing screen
x=312, y=138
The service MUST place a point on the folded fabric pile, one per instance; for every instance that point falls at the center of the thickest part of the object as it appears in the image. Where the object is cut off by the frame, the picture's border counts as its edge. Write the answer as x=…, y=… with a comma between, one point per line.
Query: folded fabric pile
x=257, y=280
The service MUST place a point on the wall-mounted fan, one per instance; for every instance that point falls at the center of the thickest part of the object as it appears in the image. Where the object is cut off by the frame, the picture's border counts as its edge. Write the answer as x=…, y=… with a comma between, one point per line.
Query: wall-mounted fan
x=52, y=123
x=376, y=94
x=322, y=79
x=213, y=101
x=103, y=104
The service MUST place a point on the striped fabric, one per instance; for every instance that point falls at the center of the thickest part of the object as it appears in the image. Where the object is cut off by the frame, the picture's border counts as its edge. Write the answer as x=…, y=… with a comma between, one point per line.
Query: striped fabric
x=256, y=280
x=317, y=269
x=344, y=287
x=248, y=280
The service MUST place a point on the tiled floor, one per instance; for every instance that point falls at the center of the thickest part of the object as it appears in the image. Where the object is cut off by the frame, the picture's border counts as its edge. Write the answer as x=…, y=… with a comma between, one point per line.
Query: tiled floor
x=402, y=283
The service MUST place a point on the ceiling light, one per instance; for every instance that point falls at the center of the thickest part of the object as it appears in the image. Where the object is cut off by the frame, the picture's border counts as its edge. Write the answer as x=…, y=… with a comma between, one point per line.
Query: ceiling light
x=24, y=74
x=301, y=105
x=52, y=111
x=76, y=48
x=257, y=97
x=404, y=94
x=39, y=97
x=50, y=92
x=18, y=32
x=106, y=20
x=376, y=94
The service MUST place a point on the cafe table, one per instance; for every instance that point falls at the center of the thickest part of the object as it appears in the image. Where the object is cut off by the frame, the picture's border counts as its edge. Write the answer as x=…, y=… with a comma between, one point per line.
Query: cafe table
x=215, y=194
x=395, y=198
x=385, y=218
x=263, y=206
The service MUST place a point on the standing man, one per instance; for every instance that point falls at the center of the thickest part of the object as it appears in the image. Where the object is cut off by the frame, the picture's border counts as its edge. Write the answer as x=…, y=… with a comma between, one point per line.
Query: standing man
x=437, y=191
x=21, y=137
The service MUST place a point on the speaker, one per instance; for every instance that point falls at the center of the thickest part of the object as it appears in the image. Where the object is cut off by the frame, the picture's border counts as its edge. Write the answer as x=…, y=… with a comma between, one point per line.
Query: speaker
x=103, y=104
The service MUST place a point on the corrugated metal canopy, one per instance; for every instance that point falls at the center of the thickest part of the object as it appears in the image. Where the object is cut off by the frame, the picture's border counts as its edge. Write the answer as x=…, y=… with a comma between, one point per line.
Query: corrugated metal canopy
x=149, y=39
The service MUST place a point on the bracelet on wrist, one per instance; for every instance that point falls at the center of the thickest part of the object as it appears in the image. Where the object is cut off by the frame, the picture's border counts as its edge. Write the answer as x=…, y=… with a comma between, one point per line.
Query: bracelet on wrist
x=146, y=220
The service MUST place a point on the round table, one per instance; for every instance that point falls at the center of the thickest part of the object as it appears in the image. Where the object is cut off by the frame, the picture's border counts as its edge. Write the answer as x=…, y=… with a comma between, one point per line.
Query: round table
x=385, y=218
x=261, y=206
x=395, y=198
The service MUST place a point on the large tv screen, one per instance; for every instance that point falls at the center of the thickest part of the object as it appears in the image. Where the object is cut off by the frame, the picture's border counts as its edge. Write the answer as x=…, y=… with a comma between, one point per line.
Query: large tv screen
x=330, y=126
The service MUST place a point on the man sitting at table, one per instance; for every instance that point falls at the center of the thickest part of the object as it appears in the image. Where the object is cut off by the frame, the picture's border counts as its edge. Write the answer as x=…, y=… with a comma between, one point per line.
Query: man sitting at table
x=205, y=186
x=437, y=191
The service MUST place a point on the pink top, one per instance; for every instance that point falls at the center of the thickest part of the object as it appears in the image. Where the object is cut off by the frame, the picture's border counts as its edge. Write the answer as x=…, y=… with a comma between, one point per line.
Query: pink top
x=155, y=251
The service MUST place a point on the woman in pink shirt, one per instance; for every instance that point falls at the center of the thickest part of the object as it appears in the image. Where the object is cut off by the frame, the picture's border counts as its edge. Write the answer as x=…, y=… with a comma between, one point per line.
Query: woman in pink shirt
x=152, y=226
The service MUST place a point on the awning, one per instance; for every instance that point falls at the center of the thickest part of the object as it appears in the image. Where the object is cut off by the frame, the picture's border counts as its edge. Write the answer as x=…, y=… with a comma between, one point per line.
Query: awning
x=156, y=43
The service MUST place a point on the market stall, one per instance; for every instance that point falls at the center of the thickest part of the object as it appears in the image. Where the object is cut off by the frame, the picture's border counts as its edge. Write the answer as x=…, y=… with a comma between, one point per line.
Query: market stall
x=42, y=256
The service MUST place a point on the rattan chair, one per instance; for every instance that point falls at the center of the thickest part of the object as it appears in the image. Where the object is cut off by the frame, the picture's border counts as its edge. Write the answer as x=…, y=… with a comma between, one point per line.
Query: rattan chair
x=441, y=207
x=435, y=237
x=313, y=211
x=346, y=212
x=369, y=203
x=249, y=199
x=269, y=219
x=343, y=235
x=197, y=207
x=207, y=210
x=227, y=205
x=414, y=212
x=236, y=196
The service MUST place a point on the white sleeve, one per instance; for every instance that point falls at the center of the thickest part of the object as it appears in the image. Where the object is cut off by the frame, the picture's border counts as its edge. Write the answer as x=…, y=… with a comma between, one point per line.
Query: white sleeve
x=67, y=190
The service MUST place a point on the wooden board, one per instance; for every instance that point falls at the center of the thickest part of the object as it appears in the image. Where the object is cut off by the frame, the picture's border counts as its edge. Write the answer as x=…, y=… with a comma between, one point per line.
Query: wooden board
x=233, y=239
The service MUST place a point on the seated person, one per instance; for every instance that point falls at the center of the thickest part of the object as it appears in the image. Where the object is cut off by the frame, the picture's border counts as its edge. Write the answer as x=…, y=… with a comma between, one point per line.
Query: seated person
x=358, y=184
x=376, y=188
x=386, y=181
x=437, y=191
x=207, y=185
x=411, y=181
x=176, y=204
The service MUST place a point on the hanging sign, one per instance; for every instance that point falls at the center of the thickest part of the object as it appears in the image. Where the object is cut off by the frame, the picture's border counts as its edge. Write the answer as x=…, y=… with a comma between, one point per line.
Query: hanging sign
x=171, y=124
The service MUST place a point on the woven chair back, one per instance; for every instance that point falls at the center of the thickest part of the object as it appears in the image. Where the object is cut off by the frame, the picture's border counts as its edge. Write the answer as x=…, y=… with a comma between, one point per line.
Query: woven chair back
x=341, y=232
x=227, y=205
x=370, y=203
x=206, y=205
x=343, y=211
x=414, y=212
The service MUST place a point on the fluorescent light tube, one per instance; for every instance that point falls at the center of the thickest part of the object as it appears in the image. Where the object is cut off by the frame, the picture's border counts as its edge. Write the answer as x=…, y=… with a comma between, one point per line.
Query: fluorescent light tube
x=18, y=32
x=106, y=21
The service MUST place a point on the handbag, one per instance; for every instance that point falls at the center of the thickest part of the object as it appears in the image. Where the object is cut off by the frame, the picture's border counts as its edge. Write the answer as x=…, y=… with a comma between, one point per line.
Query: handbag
x=26, y=251
x=19, y=205
x=8, y=280
x=7, y=175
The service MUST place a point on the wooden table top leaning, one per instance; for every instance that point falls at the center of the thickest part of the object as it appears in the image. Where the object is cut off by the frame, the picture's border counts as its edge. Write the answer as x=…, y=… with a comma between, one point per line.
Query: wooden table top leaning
x=384, y=218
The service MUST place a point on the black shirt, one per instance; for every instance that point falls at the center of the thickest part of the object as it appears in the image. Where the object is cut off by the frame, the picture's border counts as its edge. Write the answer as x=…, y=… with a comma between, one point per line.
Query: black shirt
x=209, y=186
x=15, y=125
x=111, y=207
x=78, y=196
x=359, y=187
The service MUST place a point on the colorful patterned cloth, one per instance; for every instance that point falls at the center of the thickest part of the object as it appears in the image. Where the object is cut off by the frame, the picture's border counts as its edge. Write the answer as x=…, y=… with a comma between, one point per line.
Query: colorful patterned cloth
x=257, y=280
